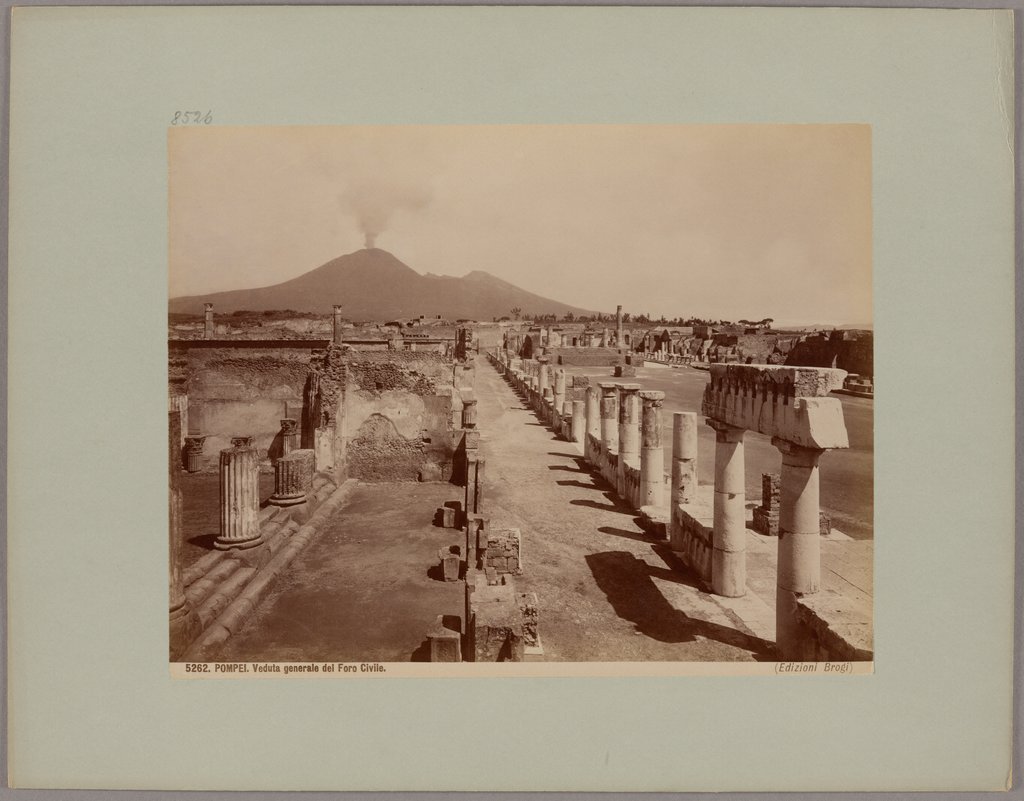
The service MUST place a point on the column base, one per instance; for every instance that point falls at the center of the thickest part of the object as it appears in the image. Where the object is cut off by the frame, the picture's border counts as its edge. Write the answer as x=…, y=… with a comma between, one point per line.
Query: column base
x=239, y=545
x=184, y=628
x=286, y=500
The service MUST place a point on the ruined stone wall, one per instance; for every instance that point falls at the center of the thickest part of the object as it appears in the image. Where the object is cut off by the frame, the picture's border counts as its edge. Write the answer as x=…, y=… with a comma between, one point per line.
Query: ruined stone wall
x=396, y=415
x=587, y=357
x=243, y=389
x=851, y=351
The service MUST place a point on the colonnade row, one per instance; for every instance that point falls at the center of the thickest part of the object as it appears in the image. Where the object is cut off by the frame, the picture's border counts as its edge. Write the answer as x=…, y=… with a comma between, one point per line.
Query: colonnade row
x=621, y=430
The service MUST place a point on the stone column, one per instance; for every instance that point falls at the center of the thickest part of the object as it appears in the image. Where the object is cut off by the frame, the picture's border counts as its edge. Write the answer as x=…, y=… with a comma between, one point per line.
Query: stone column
x=604, y=338
x=652, y=453
x=609, y=416
x=729, y=556
x=629, y=422
x=181, y=616
x=594, y=411
x=559, y=392
x=618, y=326
x=474, y=500
x=468, y=412
x=629, y=433
x=194, y=452
x=579, y=420
x=289, y=435
x=542, y=375
x=208, y=329
x=799, y=567
x=293, y=478
x=239, y=496
x=338, y=337
x=684, y=458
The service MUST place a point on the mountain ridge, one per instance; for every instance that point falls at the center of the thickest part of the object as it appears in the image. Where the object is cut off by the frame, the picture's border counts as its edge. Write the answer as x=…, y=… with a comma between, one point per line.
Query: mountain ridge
x=373, y=284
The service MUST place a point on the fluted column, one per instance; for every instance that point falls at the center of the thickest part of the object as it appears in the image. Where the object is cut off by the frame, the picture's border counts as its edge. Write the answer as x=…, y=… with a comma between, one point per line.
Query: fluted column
x=194, y=452
x=799, y=566
x=609, y=416
x=239, y=495
x=729, y=555
x=618, y=326
x=289, y=435
x=652, y=452
x=293, y=478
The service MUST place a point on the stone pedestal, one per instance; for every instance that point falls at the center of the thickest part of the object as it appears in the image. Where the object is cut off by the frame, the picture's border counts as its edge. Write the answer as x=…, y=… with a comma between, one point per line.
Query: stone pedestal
x=579, y=421
x=293, y=478
x=729, y=556
x=445, y=643
x=194, y=452
x=609, y=417
x=182, y=618
x=799, y=566
x=652, y=453
x=239, y=496
x=289, y=435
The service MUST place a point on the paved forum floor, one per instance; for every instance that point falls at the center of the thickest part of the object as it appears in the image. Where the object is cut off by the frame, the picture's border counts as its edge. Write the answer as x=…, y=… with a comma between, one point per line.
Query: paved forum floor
x=366, y=589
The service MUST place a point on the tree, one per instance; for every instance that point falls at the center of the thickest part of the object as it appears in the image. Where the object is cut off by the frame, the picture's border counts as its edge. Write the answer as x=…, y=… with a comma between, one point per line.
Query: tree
x=516, y=311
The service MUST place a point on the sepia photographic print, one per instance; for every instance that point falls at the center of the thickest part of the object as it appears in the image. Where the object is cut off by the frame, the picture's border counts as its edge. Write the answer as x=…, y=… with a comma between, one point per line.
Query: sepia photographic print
x=521, y=400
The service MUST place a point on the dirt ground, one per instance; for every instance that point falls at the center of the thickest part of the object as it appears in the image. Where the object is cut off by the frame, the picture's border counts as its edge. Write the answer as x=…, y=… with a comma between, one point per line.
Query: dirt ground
x=368, y=587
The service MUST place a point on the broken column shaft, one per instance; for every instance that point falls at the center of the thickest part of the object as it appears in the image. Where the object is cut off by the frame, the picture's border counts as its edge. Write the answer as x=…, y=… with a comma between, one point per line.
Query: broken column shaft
x=558, y=394
x=289, y=435
x=293, y=478
x=338, y=338
x=609, y=417
x=652, y=453
x=579, y=420
x=208, y=329
x=239, y=496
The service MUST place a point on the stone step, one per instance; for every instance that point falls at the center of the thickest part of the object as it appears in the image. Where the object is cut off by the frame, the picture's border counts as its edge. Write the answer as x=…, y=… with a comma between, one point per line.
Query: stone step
x=203, y=565
x=199, y=590
x=224, y=594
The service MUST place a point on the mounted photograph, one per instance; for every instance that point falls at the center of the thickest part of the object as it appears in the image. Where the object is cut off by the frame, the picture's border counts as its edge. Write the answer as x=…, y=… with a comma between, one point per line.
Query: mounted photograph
x=520, y=399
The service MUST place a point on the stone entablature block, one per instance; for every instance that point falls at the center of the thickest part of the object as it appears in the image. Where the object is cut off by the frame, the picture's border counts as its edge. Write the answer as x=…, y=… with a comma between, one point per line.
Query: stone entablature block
x=783, y=402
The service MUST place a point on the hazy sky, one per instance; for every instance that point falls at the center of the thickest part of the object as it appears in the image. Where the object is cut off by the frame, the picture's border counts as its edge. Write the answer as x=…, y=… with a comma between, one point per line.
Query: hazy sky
x=731, y=221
